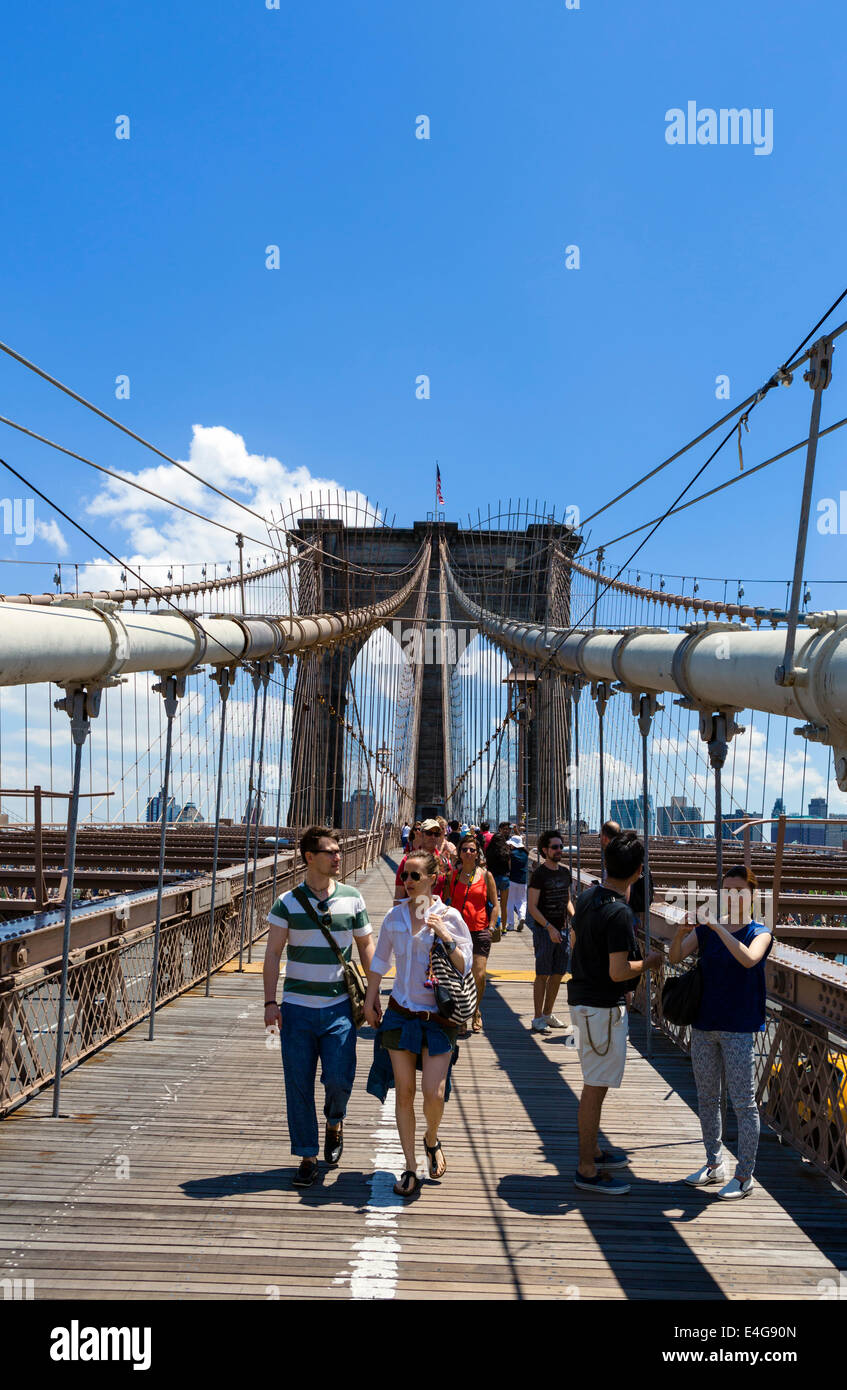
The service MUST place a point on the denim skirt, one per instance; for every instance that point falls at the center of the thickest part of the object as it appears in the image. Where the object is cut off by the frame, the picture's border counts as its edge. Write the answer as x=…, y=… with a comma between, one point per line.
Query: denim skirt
x=399, y=1034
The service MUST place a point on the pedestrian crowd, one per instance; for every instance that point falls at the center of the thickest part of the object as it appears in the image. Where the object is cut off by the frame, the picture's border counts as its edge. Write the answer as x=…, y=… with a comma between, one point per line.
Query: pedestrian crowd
x=458, y=888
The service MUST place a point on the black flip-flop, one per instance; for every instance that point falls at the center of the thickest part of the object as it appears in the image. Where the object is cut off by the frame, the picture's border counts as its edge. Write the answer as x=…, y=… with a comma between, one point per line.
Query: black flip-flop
x=401, y=1181
x=431, y=1152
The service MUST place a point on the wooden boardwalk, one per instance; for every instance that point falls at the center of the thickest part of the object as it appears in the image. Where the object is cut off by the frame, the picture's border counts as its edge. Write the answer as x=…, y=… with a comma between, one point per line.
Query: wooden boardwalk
x=168, y=1175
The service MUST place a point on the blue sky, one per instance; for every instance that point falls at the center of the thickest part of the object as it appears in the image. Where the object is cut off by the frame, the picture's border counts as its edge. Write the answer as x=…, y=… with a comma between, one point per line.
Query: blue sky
x=400, y=257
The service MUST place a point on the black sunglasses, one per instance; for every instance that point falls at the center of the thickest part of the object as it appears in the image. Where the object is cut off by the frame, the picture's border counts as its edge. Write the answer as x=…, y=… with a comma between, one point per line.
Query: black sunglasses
x=410, y=873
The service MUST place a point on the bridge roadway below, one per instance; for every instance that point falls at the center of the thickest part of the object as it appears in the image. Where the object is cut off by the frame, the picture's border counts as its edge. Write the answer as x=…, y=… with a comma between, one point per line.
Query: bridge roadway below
x=168, y=1175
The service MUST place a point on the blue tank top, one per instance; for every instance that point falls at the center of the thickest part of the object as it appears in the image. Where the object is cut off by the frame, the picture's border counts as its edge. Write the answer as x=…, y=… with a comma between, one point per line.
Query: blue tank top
x=734, y=996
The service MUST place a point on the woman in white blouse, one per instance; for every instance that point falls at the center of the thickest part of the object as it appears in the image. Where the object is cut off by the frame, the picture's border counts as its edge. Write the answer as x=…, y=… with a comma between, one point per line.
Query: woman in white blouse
x=412, y=1030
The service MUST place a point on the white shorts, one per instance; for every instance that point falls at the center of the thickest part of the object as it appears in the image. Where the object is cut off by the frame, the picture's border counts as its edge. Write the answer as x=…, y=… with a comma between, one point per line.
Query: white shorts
x=602, y=1035
x=516, y=903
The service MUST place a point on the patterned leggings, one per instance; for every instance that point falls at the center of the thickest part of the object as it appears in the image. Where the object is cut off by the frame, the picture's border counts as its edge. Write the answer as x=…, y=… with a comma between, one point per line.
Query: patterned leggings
x=736, y=1049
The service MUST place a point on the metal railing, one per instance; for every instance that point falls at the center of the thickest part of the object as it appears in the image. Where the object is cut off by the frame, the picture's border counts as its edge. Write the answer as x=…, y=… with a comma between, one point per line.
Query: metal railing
x=109, y=982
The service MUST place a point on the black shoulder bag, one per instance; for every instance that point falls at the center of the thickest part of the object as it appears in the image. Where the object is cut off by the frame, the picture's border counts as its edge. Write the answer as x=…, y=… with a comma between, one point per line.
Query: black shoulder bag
x=353, y=979
x=682, y=995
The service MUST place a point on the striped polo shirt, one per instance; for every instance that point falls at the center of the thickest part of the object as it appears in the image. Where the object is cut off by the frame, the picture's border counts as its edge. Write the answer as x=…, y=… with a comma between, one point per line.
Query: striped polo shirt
x=313, y=976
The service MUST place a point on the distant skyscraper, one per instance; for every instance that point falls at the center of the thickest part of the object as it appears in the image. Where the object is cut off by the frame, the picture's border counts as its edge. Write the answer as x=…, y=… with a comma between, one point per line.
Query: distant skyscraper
x=154, y=809
x=358, y=812
x=778, y=810
x=189, y=814
x=732, y=820
x=818, y=807
x=678, y=820
x=629, y=813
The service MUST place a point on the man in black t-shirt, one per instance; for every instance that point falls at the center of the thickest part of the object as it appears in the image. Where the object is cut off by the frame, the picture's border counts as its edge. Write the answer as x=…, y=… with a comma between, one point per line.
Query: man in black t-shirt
x=606, y=964
x=550, y=909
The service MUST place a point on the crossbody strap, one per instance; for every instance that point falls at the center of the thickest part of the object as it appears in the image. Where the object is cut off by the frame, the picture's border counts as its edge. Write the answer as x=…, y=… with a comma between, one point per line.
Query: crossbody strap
x=302, y=898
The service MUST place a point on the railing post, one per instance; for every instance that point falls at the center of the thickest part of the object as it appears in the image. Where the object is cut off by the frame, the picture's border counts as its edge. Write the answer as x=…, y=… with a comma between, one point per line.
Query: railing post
x=171, y=688
x=645, y=706
x=81, y=704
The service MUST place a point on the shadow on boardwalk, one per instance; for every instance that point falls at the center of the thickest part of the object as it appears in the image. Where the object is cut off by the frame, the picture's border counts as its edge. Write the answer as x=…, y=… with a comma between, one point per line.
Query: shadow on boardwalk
x=639, y=1235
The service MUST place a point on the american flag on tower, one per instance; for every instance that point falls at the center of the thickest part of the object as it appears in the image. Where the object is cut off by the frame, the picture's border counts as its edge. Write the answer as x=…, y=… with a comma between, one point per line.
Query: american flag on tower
x=438, y=493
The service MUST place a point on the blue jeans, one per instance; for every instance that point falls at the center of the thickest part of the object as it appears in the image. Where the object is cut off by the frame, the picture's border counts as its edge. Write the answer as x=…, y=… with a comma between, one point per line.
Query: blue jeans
x=306, y=1036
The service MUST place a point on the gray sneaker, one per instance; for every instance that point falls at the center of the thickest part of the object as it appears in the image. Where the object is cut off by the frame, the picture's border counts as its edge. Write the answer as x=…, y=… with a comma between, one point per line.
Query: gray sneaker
x=601, y=1182
x=540, y=1025
x=706, y=1176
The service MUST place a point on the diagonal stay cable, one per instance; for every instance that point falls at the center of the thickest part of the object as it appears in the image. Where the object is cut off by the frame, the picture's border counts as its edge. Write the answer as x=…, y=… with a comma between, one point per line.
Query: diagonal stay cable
x=130, y=482
x=39, y=371
x=780, y=375
x=730, y=482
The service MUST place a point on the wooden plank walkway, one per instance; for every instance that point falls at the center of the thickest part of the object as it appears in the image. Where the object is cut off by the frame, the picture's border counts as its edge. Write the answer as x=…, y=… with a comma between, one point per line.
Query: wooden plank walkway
x=168, y=1175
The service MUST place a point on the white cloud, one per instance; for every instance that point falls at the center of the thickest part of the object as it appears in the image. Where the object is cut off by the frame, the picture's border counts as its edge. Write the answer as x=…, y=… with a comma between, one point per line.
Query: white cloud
x=49, y=531
x=154, y=536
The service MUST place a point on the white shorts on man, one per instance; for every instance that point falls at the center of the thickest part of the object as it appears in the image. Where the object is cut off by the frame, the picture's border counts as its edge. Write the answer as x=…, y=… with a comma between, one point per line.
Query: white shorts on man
x=601, y=1038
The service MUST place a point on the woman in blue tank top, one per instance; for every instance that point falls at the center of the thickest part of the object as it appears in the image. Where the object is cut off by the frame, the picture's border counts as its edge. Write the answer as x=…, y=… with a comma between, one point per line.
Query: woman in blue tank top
x=731, y=1014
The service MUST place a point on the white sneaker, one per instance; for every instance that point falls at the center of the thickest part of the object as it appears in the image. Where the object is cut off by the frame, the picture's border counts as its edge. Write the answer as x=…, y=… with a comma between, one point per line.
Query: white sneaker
x=734, y=1189
x=706, y=1176
x=540, y=1025
x=555, y=1022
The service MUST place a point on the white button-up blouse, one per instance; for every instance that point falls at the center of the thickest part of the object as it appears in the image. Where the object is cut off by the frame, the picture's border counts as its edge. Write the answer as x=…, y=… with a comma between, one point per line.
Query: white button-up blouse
x=409, y=941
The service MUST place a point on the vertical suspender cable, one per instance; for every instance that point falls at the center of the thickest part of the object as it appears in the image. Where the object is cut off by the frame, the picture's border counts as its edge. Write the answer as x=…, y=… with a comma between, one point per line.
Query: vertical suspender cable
x=576, y=693
x=256, y=678
x=267, y=667
x=222, y=677
x=646, y=707
x=286, y=666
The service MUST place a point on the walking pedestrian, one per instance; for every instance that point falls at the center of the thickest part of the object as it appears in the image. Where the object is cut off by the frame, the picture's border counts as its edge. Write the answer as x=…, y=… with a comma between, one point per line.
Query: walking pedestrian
x=606, y=963
x=315, y=1020
x=550, y=910
x=411, y=1030
x=497, y=857
x=518, y=874
x=730, y=1017
x=444, y=845
x=404, y=835
x=473, y=894
x=430, y=838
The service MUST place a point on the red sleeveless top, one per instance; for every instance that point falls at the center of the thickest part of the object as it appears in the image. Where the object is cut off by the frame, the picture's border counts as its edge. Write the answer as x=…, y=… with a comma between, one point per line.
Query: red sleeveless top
x=472, y=902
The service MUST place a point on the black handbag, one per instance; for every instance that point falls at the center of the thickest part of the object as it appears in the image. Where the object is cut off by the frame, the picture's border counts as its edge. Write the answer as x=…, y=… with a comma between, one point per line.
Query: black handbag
x=682, y=995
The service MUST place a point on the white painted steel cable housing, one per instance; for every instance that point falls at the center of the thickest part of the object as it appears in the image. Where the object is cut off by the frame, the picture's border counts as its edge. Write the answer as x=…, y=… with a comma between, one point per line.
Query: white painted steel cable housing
x=88, y=641
x=717, y=666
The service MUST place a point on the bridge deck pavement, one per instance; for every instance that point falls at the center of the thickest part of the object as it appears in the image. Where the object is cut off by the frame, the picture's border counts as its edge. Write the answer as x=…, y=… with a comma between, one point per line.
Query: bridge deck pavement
x=168, y=1175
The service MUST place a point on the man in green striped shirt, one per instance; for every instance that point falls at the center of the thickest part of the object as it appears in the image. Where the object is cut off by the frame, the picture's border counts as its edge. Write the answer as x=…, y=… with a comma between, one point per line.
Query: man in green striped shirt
x=315, y=1021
